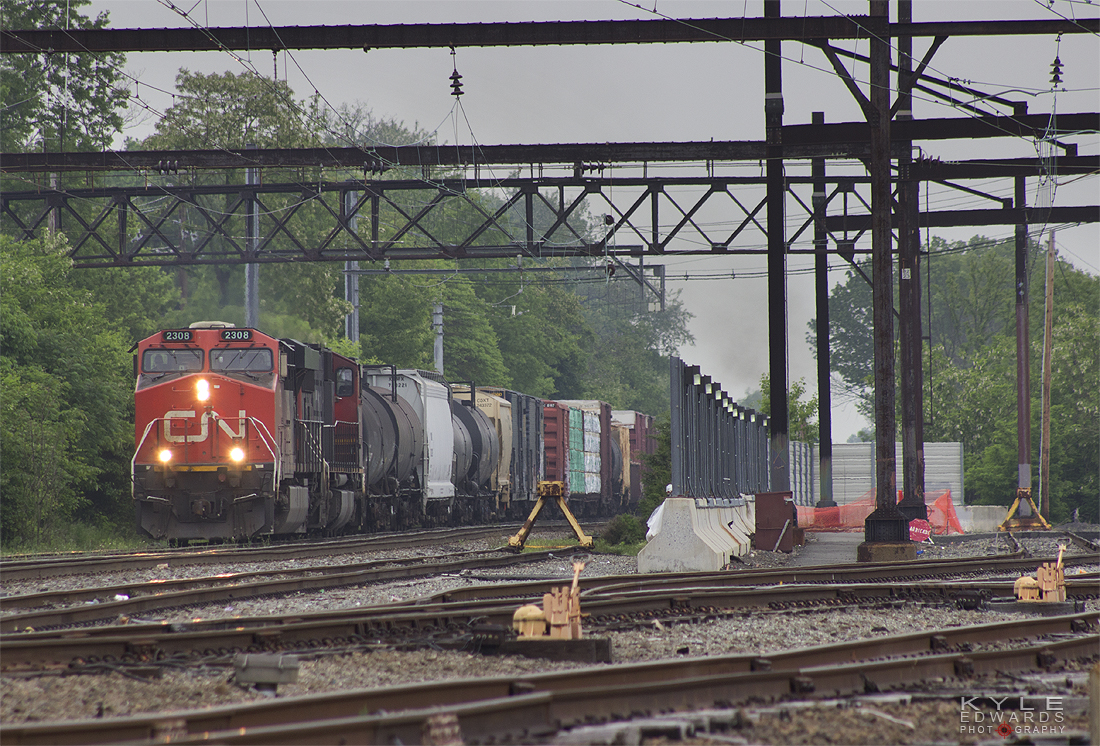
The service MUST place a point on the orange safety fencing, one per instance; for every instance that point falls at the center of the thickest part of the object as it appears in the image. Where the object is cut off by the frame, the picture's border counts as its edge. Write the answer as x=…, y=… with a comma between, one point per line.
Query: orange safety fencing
x=851, y=517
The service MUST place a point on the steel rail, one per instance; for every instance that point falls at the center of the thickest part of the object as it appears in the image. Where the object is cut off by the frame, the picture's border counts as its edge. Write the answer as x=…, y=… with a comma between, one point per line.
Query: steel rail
x=402, y=622
x=722, y=680
x=33, y=568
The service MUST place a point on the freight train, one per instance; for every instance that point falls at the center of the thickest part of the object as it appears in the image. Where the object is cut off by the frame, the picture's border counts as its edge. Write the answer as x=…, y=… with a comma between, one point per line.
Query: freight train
x=240, y=435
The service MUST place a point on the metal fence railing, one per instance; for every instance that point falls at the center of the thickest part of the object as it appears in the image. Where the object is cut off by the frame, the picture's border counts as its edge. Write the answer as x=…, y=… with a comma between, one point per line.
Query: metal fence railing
x=719, y=448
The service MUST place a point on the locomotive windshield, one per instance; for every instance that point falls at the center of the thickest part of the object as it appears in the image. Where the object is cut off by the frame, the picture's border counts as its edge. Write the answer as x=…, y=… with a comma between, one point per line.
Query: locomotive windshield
x=252, y=364
x=171, y=361
x=241, y=360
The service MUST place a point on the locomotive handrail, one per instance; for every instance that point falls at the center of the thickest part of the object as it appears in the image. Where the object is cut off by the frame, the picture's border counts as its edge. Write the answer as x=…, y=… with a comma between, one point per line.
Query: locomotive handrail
x=133, y=460
x=272, y=448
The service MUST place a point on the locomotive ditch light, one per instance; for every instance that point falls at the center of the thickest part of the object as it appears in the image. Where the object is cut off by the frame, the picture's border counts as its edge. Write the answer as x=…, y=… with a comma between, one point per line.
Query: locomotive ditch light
x=237, y=454
x=202, y=389
x=165, y=456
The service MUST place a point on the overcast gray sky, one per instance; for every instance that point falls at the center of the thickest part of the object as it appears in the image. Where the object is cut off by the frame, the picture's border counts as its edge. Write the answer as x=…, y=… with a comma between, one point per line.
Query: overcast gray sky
x=649, y=93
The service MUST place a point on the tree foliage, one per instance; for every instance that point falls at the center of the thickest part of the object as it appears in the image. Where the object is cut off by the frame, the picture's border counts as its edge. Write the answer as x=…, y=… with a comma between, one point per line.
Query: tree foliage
x=658, y=468
x=67, y=419
x=970, y=378
x=628, y=364
x=59, y=101
x=801, y=415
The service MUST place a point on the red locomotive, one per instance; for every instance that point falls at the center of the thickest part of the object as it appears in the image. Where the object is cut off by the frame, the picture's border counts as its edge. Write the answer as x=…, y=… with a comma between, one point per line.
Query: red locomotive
x=240, y=434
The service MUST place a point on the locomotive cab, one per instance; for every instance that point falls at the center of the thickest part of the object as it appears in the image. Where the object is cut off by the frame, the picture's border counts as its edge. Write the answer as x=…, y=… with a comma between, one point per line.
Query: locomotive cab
x=205, y=454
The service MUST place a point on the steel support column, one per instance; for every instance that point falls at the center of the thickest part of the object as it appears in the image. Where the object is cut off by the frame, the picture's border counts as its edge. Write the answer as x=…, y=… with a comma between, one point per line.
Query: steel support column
x=777, y=257
x=351, y=269
x=252, y=270
x=886, y=523
x=912, y=505
x=821, y=288
x=1023, y=358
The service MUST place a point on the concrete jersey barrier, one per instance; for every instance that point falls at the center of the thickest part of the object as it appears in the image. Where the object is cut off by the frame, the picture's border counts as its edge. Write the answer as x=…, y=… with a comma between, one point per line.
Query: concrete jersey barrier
x=689, y=535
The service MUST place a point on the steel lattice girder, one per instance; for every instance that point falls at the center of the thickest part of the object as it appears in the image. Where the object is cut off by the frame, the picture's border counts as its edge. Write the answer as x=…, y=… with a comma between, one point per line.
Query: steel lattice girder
x=800, y=141
x=187, y=225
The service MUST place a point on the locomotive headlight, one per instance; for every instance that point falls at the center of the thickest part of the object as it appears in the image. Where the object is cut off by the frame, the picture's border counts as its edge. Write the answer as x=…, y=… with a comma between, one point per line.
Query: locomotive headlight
x=202, y=389
x=165, y=456
x=237, y=454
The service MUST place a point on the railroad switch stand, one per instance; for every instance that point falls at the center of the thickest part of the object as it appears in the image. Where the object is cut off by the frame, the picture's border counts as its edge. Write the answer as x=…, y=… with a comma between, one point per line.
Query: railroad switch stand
x=560, y=615
x=1033, y=522
x=556, y=492
x=1049, y=583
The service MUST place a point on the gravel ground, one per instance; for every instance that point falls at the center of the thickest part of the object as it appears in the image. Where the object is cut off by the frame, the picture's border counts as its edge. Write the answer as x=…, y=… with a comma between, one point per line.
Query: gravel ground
x=113, y=694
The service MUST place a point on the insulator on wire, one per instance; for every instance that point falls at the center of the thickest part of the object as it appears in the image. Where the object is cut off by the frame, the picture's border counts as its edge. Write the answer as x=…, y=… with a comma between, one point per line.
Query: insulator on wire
x=1056, y=71
x=456, y=78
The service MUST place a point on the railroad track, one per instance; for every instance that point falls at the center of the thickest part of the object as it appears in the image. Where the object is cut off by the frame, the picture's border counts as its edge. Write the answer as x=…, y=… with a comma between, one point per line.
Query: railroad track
x=136, y=598
x=500, y=708
x=485, y=622
x=57, y=565
x=841, y=573
x=111, y=603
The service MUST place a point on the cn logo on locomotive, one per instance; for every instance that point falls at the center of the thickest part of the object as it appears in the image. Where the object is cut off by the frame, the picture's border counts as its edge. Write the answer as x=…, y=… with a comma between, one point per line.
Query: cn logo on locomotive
x=204, y=428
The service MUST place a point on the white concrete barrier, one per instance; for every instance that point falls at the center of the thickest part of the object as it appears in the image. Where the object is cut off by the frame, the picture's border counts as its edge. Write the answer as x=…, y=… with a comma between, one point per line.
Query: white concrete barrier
x=690, y=536
x=977, y=519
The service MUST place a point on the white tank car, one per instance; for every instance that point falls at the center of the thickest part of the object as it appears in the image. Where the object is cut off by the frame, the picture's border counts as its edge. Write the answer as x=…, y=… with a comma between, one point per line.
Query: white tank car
x=431, y=402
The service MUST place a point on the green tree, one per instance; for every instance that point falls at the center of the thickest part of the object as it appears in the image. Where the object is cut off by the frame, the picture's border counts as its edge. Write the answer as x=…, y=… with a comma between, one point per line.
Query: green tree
x=658, y=468
x=801, y=415
x=228, y=111
x=628, y=361
x=59, y=101
x=395, y=320
x=541, y=330
x=971, y=387
x=232, y=111
x=67, y=429
x=470, y=349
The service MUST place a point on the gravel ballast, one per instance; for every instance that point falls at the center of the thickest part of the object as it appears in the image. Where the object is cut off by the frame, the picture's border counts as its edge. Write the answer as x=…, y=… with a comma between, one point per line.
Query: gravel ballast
x=112, y=694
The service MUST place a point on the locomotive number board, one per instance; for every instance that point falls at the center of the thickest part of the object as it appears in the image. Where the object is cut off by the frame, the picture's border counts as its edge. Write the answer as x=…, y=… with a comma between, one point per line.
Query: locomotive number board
x=236, y=335
x=177, y=335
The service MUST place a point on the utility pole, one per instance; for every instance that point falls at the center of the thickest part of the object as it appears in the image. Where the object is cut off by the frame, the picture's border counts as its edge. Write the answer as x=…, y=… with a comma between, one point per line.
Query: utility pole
x=1048, y=343
x=821, y=287
x=777, y=257
x=252, y=270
